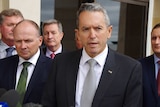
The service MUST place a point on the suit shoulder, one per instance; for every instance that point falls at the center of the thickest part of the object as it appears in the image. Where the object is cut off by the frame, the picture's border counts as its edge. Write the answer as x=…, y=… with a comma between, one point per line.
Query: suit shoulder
x=46, y=59
x=69, y=54
x=122, y=56
x=148, y=58
x=125, y=59
x=147, y=61
x=13, y=58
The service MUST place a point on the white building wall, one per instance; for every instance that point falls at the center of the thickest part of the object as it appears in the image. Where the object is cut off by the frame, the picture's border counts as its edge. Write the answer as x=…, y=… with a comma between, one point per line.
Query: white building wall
x=31, y=9
x=153, y=18
x=150, y=23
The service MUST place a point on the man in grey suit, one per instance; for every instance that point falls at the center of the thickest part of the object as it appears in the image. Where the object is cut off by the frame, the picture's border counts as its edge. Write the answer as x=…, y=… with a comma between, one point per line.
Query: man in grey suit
x=118, y=78
x=8, y=20
x=27, y=41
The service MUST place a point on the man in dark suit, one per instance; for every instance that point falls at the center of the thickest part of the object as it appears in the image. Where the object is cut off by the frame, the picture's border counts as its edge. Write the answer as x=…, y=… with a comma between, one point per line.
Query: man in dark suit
x=118, y=78
x=52, y=31
x=27, y=41
x=150, y=67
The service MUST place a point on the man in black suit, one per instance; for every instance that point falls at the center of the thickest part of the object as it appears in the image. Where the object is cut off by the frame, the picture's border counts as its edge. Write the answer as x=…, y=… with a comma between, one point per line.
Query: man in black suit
x=53, y=34
x=118, y=78
x=27, y=41
x=150, y=66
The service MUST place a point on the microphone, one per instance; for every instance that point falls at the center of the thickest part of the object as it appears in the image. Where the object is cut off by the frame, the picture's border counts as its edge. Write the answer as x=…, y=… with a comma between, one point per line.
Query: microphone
x=2, y=91
x=32, y=105
x=11, y=97
x=3, y=104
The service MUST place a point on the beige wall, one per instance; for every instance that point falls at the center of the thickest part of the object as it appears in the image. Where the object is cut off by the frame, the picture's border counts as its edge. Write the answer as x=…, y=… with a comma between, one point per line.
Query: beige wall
x=153, y=18
x=4, y=4
x=156, y=13
x=29, y=8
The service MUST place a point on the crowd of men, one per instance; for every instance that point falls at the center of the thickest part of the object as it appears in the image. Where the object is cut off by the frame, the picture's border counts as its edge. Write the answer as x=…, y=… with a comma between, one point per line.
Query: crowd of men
x=94, y=75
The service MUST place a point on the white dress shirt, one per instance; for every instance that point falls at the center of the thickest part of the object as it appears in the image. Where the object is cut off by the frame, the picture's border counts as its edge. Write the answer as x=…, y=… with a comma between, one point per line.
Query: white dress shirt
x=48, y=52
x=33, y=61
x=84, y=68
x=3, y=48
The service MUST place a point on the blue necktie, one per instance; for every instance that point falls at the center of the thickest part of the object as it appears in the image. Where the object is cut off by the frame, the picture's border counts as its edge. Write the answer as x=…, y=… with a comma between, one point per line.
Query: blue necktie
x=9, y=51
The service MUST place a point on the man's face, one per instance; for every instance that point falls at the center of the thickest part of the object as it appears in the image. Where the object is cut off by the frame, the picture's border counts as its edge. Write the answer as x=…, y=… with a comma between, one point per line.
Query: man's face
x=93, y=32
x=155, y=41
x=6, y=28
x=52, y=36
x=27, y=40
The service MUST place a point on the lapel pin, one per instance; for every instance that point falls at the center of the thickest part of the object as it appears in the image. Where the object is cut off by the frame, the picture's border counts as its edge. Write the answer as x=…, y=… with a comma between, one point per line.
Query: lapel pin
x=110, y=71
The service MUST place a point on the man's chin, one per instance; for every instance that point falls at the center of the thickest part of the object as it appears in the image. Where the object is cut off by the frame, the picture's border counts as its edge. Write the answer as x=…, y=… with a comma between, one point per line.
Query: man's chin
x=25, y=56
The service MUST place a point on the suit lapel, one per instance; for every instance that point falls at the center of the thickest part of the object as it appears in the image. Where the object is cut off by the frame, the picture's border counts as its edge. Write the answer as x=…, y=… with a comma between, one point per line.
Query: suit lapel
x=108, y=73
x=35, y=78
x=107, y=76
x=12, y=75
x=151, y=75
x=72, y=77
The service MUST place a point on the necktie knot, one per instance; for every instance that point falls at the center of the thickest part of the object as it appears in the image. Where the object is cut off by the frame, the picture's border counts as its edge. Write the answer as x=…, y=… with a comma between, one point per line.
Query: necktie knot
x=9, y=51
x=26, y=64
x=92, y=63
x=52, y=55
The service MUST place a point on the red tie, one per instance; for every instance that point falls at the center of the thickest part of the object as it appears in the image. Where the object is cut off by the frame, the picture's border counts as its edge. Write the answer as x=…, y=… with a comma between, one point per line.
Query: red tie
x=52, y=55
x=158, y=78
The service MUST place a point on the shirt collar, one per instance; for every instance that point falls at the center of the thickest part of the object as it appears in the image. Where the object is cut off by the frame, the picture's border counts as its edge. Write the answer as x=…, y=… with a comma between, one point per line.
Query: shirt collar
x=156, y=59
x=4, y=46
x=59, y=50
x=100, y=58
x=32, y=60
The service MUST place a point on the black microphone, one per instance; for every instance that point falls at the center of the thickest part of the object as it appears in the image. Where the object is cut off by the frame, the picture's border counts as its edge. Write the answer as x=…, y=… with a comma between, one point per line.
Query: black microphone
x=32, y=105
x=2, y=91
x=11, y=97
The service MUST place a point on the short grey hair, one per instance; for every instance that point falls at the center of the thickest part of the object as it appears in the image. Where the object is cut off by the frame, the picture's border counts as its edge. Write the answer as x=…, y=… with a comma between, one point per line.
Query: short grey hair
x=9, y=13
x=53, y=21
x=93, y=7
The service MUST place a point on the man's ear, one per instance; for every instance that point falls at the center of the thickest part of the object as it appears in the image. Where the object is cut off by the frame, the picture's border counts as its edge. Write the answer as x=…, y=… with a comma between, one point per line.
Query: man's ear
x=109, y=31
x=76, y=34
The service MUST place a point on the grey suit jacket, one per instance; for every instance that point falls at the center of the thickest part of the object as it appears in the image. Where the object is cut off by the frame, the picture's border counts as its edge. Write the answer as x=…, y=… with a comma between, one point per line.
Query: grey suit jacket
x=121, y=88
